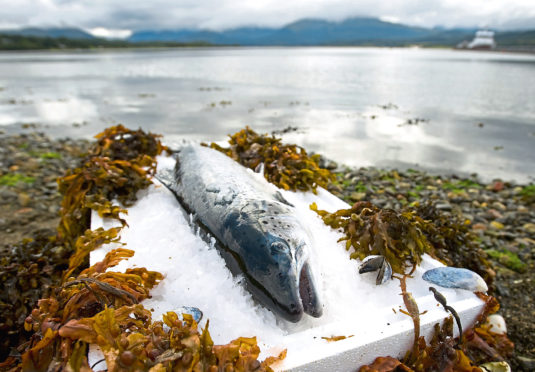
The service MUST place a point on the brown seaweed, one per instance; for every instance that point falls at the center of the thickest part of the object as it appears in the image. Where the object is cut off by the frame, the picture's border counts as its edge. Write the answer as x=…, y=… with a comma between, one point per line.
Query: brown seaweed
x=286, y=166
x=374, y=231
x=452, y=240
x=101, y=307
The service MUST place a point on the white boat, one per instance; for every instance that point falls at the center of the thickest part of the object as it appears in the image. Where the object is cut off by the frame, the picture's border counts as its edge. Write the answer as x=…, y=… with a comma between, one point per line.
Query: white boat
x=484, y=39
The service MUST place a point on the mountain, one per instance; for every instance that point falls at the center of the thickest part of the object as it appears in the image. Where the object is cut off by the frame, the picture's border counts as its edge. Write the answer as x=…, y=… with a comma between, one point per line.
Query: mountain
x=306, y=32
x=241, y=35
x=516, y=38
x=352, y=31
x=68, y=32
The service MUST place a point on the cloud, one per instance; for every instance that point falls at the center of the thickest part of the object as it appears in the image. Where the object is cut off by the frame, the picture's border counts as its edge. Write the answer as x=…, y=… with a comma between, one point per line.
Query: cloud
x=110, y=33
x=221, y=14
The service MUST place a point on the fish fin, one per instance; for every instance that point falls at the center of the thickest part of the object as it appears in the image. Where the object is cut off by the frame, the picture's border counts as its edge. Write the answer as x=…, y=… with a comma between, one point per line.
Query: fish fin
x=259, y=168
x=166, y=177
x=279, y=197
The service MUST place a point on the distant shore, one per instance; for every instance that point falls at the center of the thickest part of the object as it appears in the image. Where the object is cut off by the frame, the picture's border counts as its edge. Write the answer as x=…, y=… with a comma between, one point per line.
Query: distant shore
x=18, y=43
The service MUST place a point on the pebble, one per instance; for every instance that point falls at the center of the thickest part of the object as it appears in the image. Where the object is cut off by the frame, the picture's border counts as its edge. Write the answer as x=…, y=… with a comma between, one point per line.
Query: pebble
x=357, y=196
x=493, y=213
x=497, y=225
x=443, y=207
x=529, y=227
x=455, y=277
x=496, y=367
x=24, y=199
x=497, y=324
x=499, y=206
x=527, y=363
x=479, y=226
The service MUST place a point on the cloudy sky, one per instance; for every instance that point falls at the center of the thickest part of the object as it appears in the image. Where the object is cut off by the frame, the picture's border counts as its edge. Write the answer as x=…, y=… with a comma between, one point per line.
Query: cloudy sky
x=107, y=16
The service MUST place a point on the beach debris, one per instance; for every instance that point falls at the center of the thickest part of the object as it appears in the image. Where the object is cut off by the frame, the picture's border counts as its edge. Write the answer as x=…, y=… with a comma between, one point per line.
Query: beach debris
x=452, y=239
x=481, y=343
x=455, y=277
x=336, y=338
x=287, y=166
x=442, y=300
x=414, y=121
x=377, y=263
x=370, y=230
x=413, y=311
x=269, y=246
x=496, y=367
x=195, y=312
x=496, y=324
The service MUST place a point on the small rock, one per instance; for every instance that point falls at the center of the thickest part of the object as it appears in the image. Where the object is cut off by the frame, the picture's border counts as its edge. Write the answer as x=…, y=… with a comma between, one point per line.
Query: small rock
x=494, y=213
x=455, y=277
x=517, y=190
x=357, y=196
x=24, y=199
x=479, y=226
x=497, y=324
x=527, y=363
x=443, y=207
x=498, y=186
x=54, y=209
x=529, y=227
x=468, y=216
x=496, y=367
x=497, y=225
x=378, y=202
x=522, y=209
x=502, y=290
x=499, y=206
x=7, y=194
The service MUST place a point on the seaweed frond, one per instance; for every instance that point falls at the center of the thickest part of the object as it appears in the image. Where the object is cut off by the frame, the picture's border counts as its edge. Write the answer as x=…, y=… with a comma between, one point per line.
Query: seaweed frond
x=95, y=306
x=287, y=166
x=370, y=230
x=453, y=242
x=120, y=164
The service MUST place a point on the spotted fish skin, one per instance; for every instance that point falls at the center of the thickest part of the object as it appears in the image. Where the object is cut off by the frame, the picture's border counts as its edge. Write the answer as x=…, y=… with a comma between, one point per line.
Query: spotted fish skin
x=455, y=277
x=259, y=235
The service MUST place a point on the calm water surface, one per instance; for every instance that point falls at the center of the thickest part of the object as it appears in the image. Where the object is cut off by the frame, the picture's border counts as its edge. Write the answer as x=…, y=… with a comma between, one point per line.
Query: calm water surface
x=474, y=112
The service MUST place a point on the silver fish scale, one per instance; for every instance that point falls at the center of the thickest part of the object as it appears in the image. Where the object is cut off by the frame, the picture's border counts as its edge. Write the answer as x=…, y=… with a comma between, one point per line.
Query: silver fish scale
x=260, y=234
x=230, y=188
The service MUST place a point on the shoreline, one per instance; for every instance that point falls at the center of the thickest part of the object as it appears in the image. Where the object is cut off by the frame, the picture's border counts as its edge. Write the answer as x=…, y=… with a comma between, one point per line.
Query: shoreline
x=501, y=214
x=520, y=51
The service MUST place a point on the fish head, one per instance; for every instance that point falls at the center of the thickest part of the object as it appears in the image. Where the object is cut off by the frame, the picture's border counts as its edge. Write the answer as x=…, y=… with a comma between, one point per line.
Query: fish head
x=274, y=249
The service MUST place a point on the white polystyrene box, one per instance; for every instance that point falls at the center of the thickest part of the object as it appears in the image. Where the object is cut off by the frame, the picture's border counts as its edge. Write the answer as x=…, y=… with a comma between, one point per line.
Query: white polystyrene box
x=195, y=275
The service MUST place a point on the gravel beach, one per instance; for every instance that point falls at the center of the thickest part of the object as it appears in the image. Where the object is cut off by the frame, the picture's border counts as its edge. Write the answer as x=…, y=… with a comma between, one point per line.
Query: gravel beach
x=501, y=214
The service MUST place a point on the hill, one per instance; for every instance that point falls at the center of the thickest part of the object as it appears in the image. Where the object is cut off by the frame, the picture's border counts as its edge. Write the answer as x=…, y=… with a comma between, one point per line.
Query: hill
x=19, y=42
x=54, y=32
x=352, y=31
x=305, y=32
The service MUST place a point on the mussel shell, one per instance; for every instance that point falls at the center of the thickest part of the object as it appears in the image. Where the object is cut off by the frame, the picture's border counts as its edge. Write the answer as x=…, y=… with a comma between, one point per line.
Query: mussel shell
x=376, y=263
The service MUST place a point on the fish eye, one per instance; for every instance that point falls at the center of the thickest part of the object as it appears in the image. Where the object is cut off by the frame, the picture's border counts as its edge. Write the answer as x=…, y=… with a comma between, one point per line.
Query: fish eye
x=279, y=247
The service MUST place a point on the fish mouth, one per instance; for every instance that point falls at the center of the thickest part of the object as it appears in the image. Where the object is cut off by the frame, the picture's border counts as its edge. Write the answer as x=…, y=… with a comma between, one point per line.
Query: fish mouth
x=308, y=293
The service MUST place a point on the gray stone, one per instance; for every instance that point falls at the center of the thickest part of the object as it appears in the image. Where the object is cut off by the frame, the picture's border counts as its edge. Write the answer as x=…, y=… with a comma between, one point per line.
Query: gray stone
x=443, y=207
x=527, y=363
